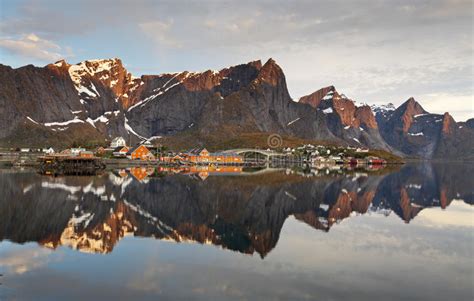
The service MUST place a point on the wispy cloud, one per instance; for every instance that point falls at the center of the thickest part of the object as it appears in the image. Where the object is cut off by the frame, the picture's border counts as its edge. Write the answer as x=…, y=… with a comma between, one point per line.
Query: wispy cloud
x=33, y=47
x=21, y=260
x=160, y=32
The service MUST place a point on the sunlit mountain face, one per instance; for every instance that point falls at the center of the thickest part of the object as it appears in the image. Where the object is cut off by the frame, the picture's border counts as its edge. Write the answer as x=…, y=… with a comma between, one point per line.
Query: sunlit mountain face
x=234, y=209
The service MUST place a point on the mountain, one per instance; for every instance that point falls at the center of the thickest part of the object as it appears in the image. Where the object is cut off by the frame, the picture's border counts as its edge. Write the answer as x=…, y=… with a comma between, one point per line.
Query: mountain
x=91, y=102
x=347, y=121
x=416, y=132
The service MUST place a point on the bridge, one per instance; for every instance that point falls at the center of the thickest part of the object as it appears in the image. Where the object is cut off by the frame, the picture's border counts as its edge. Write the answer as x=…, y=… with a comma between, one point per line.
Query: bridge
x=243, y=151
x=266, y=157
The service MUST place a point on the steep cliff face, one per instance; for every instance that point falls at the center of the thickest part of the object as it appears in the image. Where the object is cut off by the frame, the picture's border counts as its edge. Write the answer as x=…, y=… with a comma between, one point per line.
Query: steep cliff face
x=348, y=122
x=416, y=132
x=96, y=100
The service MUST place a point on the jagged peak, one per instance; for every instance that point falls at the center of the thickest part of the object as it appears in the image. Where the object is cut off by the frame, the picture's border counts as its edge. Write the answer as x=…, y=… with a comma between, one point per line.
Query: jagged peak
x=270, y=72
x=315, y=98
x=61, y=63
x=409, y=102
x=106, y=60
x=271, y=64
x=257, y=64
x=411, y=107
x=271, y=61
x=448, y=123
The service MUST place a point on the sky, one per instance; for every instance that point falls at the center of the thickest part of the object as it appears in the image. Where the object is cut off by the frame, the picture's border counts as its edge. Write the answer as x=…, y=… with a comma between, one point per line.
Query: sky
x=373, y=51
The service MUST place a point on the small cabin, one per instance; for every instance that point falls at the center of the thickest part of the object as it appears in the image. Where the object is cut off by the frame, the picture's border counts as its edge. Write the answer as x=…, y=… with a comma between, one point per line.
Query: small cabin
x=86, y=154
x=75, y=151
x=48, y=151
x=66, y=152
x=140, y=153
x=203, y=156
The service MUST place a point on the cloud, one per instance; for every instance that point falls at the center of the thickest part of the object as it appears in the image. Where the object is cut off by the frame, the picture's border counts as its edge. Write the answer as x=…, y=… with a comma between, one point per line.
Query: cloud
x=160, y=33
x=372, y=51
x=22, y=260
x=33, y=47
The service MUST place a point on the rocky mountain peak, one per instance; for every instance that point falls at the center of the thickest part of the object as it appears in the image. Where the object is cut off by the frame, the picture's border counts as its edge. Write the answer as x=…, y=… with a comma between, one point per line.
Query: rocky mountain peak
x=329, y=100
x=60, y=63
x=59, y=67
x=270, y=73
x=448, y=124
x=407, y=111
x=412, y=107
x=365, y=116
x=256, y=64
x=201, y=81
x=314, y=99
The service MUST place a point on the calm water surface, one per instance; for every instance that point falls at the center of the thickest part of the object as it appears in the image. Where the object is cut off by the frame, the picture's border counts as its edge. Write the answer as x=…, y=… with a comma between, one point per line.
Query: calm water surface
x=133, y=234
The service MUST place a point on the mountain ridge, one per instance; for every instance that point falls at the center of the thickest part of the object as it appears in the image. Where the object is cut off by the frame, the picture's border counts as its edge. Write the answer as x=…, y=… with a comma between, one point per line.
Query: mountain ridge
x=100, y=99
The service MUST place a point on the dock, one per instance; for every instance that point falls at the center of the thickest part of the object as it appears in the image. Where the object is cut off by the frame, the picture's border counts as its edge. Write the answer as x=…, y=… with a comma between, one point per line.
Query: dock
x=69, y=165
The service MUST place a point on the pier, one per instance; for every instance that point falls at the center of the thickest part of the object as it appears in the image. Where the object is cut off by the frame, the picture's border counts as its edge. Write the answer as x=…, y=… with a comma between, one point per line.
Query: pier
x=69, y=165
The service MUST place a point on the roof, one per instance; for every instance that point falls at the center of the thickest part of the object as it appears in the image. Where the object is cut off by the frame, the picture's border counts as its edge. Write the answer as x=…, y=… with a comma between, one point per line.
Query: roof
x=131, y=150
x=118, y=148
x=117, y=138
x=196, y=151
x=226, y=154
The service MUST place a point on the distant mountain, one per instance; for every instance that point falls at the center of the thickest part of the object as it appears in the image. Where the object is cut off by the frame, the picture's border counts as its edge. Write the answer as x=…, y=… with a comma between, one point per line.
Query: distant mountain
x=96, y=100
x=355, y=124
x=415, y=132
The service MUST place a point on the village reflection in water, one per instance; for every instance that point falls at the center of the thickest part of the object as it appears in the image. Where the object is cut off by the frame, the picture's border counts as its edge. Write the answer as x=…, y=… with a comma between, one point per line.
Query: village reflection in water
x=236, y=208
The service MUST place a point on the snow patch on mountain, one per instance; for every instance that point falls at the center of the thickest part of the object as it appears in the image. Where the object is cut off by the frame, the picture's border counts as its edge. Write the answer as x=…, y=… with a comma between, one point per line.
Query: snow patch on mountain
x=293, y=121
x=161, y=90
x=327, y=111
x=416, y=134
x=129, y=129
x=382, y=109
x=30, y=119
x=63, y=123
x=61, y=186
x=328, y=96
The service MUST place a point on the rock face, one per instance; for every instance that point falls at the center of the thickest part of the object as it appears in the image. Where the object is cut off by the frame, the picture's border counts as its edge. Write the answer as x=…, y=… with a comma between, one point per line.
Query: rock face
x=415, y=132
x=96, y=100
x=347, y=121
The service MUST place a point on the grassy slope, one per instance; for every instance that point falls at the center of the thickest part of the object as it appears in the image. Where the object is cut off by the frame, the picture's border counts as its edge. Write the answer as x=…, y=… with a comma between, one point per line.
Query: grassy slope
x=33, y=136
x=215, y=142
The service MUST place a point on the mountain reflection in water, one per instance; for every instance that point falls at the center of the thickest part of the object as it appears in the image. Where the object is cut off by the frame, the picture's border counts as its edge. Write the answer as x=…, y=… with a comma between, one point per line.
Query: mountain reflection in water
x=238, y=210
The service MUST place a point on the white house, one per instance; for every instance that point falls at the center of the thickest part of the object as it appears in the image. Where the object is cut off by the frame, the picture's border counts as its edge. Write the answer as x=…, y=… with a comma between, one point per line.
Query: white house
x=48, y=151
x=118, y=141
x=75, y=151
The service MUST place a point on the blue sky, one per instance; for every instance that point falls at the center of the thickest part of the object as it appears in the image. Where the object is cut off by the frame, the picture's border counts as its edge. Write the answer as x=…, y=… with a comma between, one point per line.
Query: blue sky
x=373, y=51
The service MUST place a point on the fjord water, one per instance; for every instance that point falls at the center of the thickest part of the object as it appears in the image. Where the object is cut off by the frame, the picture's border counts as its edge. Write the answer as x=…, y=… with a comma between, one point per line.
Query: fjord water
x=403, y=234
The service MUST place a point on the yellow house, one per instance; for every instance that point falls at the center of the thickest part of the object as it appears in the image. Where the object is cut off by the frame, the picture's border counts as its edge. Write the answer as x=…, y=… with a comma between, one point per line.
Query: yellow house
x=140, y=153
x=203, y=156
